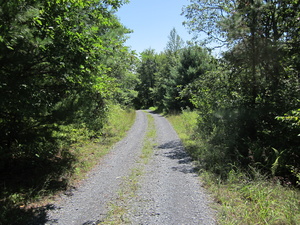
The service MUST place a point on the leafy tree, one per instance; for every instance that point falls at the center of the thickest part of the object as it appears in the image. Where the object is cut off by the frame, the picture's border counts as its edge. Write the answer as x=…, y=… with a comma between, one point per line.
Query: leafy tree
x=58, y=60
x=146, y=70
x=166, y=91
x=173, y=51
x=262, y=82
x=164, y=76
x=162, y=82
x=195, y=62
x=126, y=92
x=175, y=43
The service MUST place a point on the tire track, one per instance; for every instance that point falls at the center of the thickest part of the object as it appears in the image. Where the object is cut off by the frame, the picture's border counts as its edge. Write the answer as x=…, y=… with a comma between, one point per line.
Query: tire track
x=87, y=205
x=170, y=192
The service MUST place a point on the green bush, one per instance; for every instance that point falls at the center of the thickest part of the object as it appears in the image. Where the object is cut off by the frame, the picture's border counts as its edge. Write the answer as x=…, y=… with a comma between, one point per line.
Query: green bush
x=241, y=196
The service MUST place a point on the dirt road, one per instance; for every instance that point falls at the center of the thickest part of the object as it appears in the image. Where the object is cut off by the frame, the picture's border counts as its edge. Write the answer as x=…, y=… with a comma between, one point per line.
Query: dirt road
x=169, y=190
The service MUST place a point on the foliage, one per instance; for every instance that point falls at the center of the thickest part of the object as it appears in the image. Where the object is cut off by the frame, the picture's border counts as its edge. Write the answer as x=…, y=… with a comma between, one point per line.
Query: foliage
x=164, y=76
x=27, y=191
x=57, y=70
x=255, y=202
x=243, y=197
x=194, y=63
x=61, y=62
x=175, y=44
x=253, y=84
x=292, y=118
x=185, y=123
x=126, y=92
x=146, y=70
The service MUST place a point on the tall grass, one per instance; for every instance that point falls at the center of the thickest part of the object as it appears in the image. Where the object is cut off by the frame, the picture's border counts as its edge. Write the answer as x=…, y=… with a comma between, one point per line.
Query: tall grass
x=88, y=153
x=240, y=197
x=186, y=122
x=22, y=200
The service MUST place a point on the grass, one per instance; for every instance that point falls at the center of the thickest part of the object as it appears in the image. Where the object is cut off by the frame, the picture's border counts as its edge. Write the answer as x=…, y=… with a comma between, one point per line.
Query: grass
x=258, y=201
x=118, y=207
x=238, y=199
x=149, y=140
x=130, y=183
x=88, y=155
x=185, y=123
x=26, y=193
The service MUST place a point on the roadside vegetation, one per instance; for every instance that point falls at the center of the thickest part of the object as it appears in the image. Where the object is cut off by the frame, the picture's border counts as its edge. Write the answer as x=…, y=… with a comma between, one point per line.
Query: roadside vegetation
x=241, y=197
x=89, y=152
x=242, y=125
x=61, y=100
x=29, y=192
x=248, y=98
x=66, y=72
x=130, y=184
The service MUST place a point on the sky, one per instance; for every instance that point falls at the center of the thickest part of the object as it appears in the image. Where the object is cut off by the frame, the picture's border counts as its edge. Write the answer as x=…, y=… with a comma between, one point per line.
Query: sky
x=152, y=21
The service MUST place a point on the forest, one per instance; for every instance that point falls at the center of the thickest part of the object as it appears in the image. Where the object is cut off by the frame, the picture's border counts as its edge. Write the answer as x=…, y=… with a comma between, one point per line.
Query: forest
x=64, y=64
x=247, y=99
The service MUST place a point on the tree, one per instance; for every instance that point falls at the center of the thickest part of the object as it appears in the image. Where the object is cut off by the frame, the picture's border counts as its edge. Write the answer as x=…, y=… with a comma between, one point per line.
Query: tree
x=146, y=70
x=175, y=43
x=164, y=76
x=166, y=92
x=57, y=60
x=260, y=82
x=195, y=62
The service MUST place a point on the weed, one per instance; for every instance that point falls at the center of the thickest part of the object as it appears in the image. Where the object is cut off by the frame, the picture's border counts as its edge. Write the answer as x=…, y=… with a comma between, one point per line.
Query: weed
x=118, y=207
x=130, y=183
x=88, y=154
x=241, y=198
x=149, y=141
x=29, y=185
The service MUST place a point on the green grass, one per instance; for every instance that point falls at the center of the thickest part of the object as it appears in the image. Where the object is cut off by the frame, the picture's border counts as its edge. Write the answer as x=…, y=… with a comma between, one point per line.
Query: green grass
x=88, y=155
x=239, y=199
x=185, y=124
x=258, y=201
x=149, y=140
x=25, y=196
x=130, y=183
x=118, y=207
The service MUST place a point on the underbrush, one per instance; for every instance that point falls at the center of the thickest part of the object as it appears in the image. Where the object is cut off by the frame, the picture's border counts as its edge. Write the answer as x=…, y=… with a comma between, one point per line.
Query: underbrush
x=241, y=197
x=88, y=154
x=29, y=184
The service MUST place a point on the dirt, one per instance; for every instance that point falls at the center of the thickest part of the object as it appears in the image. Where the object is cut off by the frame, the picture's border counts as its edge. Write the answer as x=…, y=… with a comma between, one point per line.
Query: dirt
x=170, y=191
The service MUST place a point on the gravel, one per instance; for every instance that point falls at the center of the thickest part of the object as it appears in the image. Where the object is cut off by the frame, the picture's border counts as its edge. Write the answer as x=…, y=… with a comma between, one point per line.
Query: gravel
x=170, y=191
x=87, y=204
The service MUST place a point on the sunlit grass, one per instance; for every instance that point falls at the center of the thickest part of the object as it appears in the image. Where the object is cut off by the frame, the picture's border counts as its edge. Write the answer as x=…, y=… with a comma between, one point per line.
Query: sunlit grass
x=130, y=183
x=258, y=201
x=149, y=141
x=185, y=122
x=19, y=203
x=88, y=155
x=239, y=199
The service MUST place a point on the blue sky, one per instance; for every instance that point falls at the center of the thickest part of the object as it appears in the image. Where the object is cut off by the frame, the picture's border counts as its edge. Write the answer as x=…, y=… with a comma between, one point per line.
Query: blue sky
x=152, y=21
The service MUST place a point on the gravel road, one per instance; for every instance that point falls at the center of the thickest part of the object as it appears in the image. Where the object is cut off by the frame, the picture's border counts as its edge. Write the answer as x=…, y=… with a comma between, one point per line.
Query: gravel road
x=170, y=191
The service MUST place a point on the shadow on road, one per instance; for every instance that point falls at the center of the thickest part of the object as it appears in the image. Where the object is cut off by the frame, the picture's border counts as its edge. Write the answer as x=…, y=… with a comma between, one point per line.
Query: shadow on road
x=175, y=151
x=23, y=180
